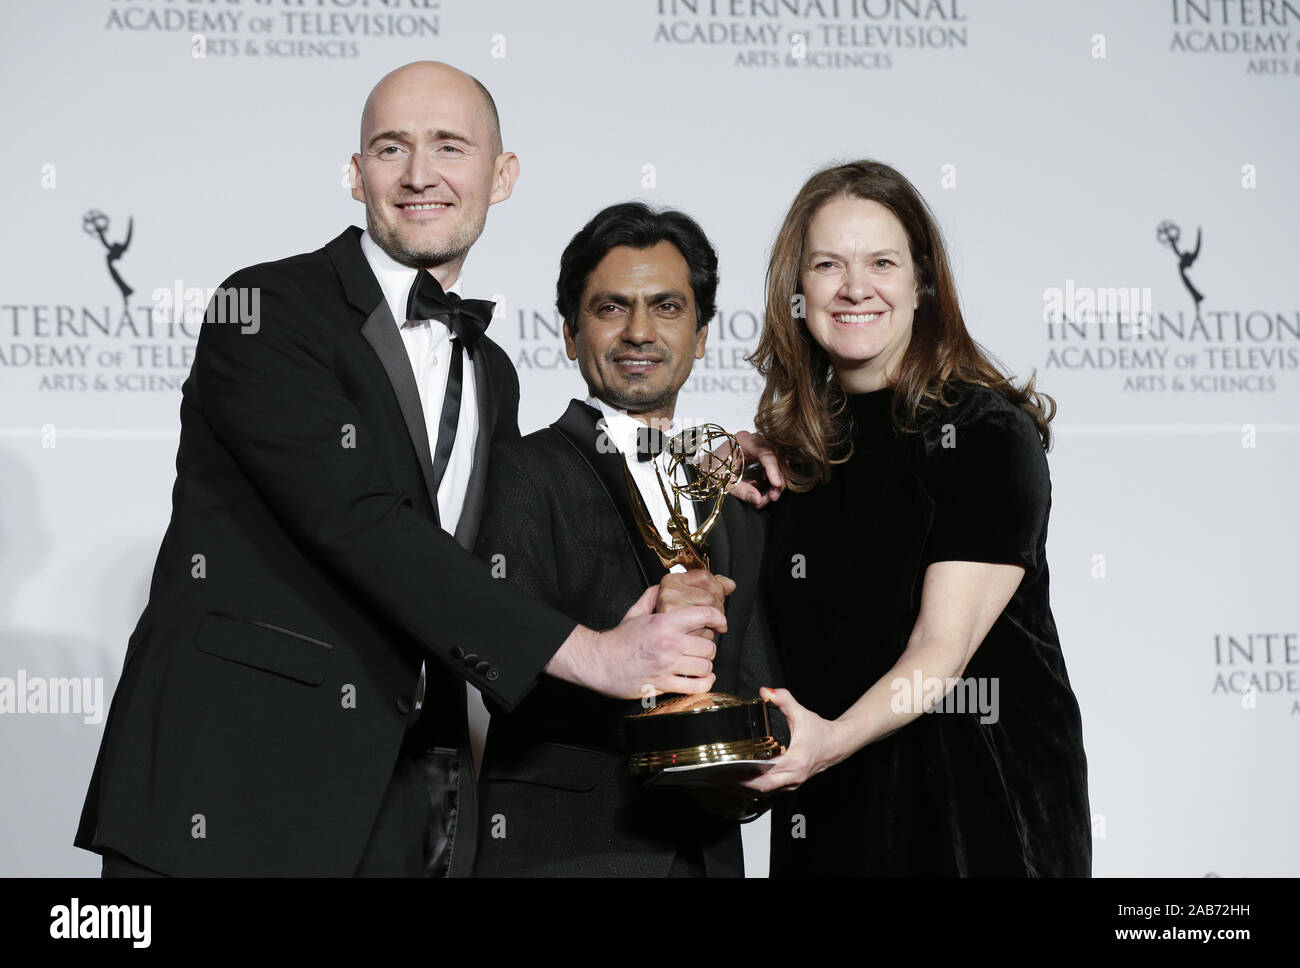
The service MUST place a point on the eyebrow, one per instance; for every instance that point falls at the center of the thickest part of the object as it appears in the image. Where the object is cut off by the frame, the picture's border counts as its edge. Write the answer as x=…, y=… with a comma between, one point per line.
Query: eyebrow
x=871, y=255
x=623, y=300
x=442, y=134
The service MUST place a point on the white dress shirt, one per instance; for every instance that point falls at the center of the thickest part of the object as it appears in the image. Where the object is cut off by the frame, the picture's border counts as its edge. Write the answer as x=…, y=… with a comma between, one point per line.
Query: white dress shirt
x=428, y=344
x=621, y=428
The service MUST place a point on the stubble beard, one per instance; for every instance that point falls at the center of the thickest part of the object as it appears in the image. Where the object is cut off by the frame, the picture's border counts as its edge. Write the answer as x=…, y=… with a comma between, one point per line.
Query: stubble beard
x=454, y=248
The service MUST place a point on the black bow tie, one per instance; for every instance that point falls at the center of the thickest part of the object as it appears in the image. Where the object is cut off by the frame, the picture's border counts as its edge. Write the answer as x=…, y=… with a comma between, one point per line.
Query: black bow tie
x=467, y=318
x=650, y=443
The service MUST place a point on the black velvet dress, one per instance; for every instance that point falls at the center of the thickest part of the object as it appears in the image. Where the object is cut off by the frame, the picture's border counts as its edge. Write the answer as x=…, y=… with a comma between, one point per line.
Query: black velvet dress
x=994, y=783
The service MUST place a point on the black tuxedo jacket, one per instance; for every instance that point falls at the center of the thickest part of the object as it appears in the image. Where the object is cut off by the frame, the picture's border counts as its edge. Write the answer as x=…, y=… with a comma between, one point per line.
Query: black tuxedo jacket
x=554, y=780
x=302, y=579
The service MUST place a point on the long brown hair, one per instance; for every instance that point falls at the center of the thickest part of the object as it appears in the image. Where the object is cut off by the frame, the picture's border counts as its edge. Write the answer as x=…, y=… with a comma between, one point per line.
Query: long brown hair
x=802, y=407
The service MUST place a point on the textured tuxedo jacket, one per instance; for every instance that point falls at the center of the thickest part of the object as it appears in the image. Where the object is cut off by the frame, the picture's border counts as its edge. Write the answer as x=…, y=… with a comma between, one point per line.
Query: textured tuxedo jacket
x=554, y=778
x=302, y=580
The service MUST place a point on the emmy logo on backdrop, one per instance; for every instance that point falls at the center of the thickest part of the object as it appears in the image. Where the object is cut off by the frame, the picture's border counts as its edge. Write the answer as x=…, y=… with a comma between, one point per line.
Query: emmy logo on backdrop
x=95, y=222
x=1167, y=233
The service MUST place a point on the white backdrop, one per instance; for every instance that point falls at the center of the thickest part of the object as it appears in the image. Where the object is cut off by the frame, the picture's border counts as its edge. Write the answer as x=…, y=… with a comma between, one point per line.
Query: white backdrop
x=1052, y=139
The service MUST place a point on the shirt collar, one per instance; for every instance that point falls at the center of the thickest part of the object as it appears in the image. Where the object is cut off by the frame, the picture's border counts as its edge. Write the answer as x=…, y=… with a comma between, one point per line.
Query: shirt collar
x=394, y=278
x=622, y=427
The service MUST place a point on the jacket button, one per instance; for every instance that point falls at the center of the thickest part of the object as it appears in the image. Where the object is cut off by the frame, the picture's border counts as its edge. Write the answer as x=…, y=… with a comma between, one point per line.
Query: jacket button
x=483, y=667
x=471, y=658
x=457, y=652
x=403, y=705
x=493, y=675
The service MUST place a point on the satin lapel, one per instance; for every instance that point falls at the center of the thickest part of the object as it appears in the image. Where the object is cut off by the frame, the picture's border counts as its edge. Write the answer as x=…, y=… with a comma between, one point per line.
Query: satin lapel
x=380, y=331
x=727, y=662
x=578, y=427
x=718, y=541
x=471, y=515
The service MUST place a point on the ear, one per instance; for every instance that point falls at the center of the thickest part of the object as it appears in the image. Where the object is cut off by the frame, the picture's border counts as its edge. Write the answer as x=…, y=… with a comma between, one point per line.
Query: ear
x=354, y=175
x=507, y=173
x=701, y=338
x=570, y=342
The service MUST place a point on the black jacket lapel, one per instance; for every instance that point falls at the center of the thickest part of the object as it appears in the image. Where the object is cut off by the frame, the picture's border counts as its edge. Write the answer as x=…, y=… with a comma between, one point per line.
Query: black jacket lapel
x=718, y=543
x=726, y=664
x=579, y=427
x=380, y=331
x=471, y=514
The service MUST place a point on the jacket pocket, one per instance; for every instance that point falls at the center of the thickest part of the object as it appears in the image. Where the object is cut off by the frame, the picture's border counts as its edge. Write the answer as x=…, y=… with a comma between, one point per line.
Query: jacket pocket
x=265, y=647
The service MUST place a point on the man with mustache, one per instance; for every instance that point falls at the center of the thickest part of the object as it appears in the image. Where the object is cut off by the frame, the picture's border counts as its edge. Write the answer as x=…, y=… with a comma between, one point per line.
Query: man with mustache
x=636, y=292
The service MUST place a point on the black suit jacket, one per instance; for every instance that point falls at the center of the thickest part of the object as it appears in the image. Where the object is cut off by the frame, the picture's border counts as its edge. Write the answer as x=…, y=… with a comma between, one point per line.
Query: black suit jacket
x=554, y=780
x=302, y=579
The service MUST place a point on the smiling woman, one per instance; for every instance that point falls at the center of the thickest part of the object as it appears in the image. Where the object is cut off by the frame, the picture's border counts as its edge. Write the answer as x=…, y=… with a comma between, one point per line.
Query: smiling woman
x=909, y=554
x=860, y=289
